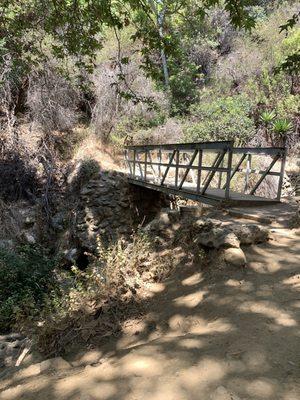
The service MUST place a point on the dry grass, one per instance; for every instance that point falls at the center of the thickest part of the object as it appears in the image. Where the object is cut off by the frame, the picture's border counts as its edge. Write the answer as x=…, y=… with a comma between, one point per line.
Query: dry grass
x=91, y=147
x=97, y=302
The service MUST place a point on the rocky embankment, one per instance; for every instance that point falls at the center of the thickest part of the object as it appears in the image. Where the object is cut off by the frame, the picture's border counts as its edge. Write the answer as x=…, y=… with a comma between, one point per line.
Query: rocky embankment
x=226, y=238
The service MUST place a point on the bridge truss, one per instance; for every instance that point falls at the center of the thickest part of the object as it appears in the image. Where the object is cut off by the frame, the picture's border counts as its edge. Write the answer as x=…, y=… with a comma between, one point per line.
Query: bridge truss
x=209, y=172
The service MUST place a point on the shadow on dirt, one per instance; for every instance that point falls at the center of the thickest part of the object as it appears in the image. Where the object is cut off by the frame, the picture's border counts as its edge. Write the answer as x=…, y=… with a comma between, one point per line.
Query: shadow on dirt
x=210, y=333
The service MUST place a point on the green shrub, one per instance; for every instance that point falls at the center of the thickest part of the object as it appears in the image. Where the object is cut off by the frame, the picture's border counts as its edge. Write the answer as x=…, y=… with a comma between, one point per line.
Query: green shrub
x=290, y=45
x=183, y=87
x=25, y=277
x=225, y=118
x=288, y=107
x=282, y=127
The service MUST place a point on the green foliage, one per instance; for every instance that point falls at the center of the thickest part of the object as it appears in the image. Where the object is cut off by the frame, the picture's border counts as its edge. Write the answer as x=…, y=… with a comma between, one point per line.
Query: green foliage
x=288, y=107
x=76, y=27
x=290, y=23
x=224, y=118
x=35, y=30
x=267, y=117
x=183, y=87
x=127, y=126
x=290, y=53
x=282, y=126
x=25, y=277
x=194, y=38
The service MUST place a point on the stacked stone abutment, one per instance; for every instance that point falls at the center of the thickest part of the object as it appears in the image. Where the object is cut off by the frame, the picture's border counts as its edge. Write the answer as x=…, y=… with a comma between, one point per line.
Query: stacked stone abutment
x=110, y=208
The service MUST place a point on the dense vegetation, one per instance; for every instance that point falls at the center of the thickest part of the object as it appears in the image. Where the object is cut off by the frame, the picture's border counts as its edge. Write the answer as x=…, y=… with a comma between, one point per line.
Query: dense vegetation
x=221, y=68
x=151, y=71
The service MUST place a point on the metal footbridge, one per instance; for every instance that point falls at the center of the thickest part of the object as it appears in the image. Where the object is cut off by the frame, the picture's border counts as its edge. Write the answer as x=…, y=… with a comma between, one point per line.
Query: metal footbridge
x=209, y=172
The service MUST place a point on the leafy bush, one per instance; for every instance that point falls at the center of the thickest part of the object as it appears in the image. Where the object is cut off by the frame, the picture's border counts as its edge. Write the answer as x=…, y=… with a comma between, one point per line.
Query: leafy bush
x=290, y=45
x=281, y=128
x=288, y=107
x=183, y=86
x=267, y=117
x=224, y=118
x=25, y=277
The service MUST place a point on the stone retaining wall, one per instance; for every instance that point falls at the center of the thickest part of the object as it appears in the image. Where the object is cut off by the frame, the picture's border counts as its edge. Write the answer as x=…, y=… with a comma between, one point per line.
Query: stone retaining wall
x=109, y=207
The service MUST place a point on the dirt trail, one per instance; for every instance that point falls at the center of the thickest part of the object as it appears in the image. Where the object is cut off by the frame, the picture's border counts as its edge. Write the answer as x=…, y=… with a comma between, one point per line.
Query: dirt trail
x=209, y=335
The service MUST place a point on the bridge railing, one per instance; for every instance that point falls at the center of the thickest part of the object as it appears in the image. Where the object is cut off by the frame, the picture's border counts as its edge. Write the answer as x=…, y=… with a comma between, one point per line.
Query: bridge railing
x=272, y=160
x=203, y=169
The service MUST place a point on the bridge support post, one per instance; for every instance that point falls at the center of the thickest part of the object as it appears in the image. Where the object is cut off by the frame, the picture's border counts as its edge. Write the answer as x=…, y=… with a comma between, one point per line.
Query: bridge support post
x=200, y=153
x=176, y=168
x=228, y=176
x=134, y=159
x=283, y=159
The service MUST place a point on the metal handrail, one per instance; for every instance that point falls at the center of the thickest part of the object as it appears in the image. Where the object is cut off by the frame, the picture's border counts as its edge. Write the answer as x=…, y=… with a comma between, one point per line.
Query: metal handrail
x=225, y=152
x=183, y=146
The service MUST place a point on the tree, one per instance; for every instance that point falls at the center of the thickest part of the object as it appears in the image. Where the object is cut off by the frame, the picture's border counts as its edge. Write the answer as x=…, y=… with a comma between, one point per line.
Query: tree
x=31, y=31
x=292, y=62
x=76, y=27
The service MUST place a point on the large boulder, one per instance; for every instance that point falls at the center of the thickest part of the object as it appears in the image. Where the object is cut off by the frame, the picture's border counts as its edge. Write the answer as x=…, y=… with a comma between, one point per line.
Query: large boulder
x=250, y=233
x=235, y=257
x=164, y=220
x=217, y=238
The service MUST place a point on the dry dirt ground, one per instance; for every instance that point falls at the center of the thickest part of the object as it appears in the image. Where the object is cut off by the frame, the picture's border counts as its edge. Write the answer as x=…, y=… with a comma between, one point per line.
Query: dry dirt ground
x=211, y=334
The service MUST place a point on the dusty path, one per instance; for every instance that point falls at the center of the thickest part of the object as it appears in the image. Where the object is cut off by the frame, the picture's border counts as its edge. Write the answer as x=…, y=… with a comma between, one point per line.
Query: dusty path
x=210, y=335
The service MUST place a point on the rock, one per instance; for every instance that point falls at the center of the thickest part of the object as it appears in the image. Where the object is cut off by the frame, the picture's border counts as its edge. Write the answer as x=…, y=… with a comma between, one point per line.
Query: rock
x=235, y=257
x=11, y=337
x=10, y=348
x=164, y=218
x=249, y=234
x=29, y=238
x=206, y=224
x=54, y=364
x=29, y=220
x=191, y=211
x=108, y=212
x=217, y=238
x=163, y=221
x=104, y=224
x=57, y=221
x=102, y=191
x=15, y=345
x=174, y=215
x=124, y=204
x=87, y=190
x=70, y=255
x=228, y=240
x=155, y=226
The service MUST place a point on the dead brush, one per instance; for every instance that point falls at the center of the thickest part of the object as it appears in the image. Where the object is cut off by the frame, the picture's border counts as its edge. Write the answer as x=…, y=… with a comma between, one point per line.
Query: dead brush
x=10, y=221
x=98, y=301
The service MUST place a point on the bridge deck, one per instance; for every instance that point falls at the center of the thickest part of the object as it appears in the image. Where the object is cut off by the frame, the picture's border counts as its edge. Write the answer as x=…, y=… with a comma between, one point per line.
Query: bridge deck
x=186, y=170
x=212, y=196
